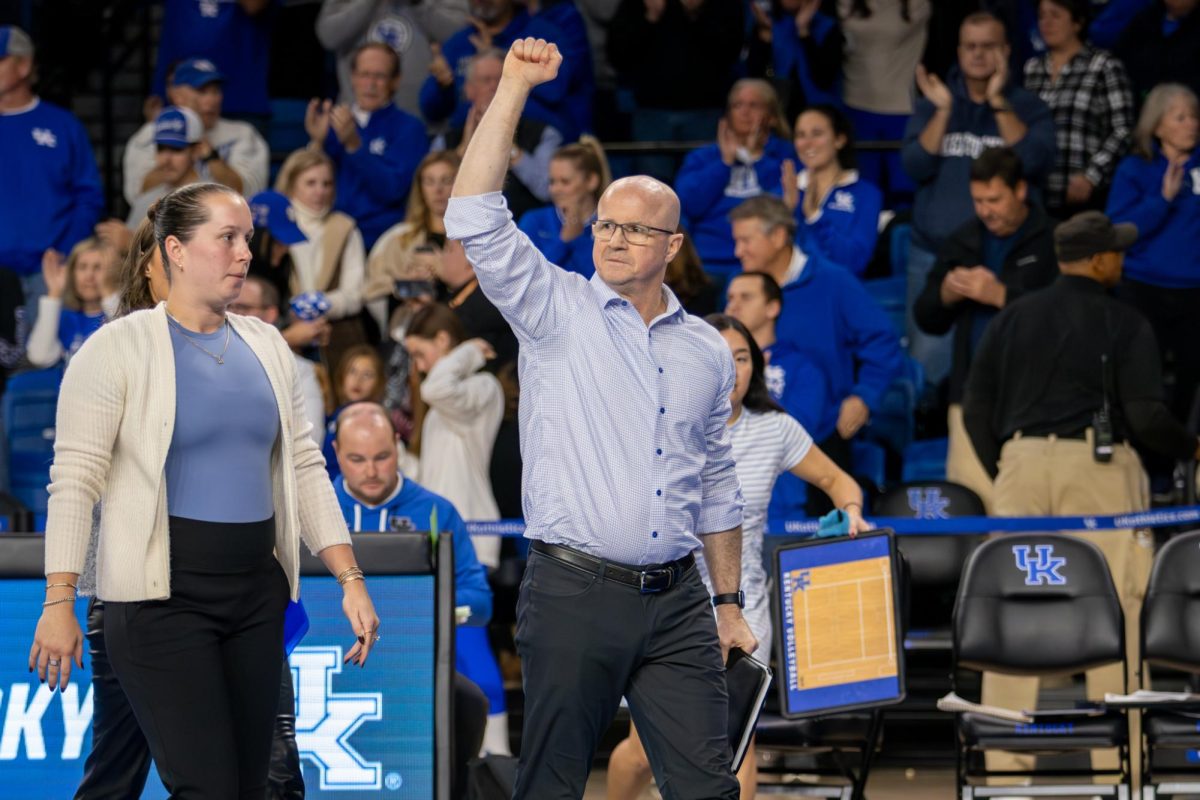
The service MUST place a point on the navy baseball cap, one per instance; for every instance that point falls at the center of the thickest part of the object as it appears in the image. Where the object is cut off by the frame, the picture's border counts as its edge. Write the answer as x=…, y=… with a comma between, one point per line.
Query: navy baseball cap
x=177, y=127
x=197, y=73
x=273, y=211
x=14, y=42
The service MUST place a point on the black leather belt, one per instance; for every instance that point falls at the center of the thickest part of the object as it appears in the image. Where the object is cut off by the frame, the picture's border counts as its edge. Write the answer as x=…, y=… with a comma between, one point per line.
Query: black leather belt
x=647, y=579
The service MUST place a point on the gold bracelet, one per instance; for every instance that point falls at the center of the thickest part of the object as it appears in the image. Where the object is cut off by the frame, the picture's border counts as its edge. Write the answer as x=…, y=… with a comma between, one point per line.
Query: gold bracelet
x=348, y=571
x=49, y=603
x=352, y=578
x=61, y=585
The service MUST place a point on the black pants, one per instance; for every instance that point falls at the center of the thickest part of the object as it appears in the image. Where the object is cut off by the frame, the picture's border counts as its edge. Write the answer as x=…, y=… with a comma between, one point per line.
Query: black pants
x=117, y=766
x=201, y=669
x=584, y=642
x=470, y=719
x=1173, y=315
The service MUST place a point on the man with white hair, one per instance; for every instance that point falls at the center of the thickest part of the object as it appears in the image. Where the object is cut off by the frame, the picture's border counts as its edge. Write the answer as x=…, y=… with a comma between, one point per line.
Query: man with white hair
x=627, y=471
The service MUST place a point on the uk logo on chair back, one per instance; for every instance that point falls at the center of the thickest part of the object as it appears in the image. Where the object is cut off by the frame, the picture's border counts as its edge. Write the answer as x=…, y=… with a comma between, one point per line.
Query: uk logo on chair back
x=1044, y=568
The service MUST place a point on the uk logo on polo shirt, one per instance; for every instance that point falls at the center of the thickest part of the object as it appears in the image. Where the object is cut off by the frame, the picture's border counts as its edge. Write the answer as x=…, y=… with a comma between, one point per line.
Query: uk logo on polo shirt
x=45, y=137
x=842, y=201
x=377, y=146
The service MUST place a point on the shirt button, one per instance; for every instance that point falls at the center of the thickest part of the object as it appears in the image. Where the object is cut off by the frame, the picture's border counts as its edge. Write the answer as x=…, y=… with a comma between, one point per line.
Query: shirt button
x=659, y=451
x=624, y=302
x=660, y=370
x=654, y=534
x=662, y=411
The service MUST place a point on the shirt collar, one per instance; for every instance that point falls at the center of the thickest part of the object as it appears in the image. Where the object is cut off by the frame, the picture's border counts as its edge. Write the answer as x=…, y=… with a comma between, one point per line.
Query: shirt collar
x=799, y=260
x=360, y=116
x=606, y=297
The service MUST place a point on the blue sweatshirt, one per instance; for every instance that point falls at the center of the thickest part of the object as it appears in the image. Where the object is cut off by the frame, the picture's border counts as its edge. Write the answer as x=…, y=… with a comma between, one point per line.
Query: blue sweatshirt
x=546, y=103
x=52, y=195
x=1167, y=250
x=409, y=509
x=829, y=318
x=543, y=225
x=709, y=189
x=846, y=226
x=74, y=327
x=239, y=45
x=943, y=198
x=790, y=60
x=798, y=385
x=374, y=181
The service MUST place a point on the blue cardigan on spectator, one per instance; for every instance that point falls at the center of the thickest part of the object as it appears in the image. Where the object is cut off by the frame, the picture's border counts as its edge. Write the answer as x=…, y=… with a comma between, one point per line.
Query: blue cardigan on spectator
x=792, y=63
x=943, y=199
x=709, y=189
x=52, y=195
x=546, y=103
x=373, y=182
x=846, y=225
x=829, y=318
x=408, y=510
x=543, y=226
x=1167, y=250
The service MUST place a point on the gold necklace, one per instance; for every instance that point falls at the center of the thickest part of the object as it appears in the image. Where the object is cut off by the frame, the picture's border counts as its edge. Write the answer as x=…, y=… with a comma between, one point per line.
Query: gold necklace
x=220, y=359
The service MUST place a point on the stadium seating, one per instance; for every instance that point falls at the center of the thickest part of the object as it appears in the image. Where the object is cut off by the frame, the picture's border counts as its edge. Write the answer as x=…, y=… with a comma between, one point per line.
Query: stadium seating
x=29, y=410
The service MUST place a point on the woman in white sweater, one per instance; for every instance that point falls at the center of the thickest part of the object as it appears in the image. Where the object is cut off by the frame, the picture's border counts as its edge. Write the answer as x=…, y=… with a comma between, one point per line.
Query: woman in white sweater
x=188, y=424
x=466, y=406
x=333, y=259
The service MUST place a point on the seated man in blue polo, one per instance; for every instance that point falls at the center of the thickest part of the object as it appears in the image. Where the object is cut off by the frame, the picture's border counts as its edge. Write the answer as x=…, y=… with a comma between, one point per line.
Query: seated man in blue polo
x=375, y=496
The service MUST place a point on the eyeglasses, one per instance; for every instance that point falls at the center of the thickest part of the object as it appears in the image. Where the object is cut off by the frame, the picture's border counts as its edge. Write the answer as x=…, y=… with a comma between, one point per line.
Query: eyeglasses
x=635, y=233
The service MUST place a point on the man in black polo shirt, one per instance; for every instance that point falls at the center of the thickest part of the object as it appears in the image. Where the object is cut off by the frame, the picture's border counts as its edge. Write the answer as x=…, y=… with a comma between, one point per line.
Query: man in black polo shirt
x=1006, y=250
x=1044, y=369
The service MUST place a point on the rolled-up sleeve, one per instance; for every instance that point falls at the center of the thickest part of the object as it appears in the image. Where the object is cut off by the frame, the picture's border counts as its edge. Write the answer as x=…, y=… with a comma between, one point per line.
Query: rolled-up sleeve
x=721, y=500
x=535, y=296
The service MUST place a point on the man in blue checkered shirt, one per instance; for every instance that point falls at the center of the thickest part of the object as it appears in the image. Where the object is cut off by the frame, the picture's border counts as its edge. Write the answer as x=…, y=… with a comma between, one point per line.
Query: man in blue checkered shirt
x=628, y=470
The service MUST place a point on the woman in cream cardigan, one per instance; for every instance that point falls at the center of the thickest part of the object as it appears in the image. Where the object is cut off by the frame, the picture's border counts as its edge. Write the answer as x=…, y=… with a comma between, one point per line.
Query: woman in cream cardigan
x=187, y=423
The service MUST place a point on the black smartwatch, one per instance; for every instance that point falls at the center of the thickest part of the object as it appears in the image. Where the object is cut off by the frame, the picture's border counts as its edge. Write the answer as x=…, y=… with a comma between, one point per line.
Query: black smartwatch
x=738, y=597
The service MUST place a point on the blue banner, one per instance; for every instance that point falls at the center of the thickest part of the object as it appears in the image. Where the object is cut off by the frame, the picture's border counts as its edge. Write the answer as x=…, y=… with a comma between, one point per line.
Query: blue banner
x=361, y=732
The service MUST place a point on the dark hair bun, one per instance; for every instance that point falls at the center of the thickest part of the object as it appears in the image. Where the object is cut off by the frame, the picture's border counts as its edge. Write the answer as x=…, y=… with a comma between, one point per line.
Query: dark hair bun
x=152, y=211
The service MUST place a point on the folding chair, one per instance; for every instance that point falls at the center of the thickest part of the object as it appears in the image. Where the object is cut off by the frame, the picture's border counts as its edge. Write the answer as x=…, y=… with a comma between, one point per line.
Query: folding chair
x=1171, y=639
x=1039, y=604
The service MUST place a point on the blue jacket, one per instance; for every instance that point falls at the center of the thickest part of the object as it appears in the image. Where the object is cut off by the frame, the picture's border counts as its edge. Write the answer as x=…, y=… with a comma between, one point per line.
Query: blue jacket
x=846, y=226
x=829, y=318
x=546, y=103
x=52, y=195
x=1167, y=251
x=409, y=509
x=374, y=181
x=709, y=189
x=791, y=62
x=943, y=198
x=543, y=226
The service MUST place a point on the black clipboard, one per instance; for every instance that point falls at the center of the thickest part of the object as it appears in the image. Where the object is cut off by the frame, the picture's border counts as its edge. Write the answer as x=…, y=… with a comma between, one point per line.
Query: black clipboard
x=747, y=681
x=824, y=591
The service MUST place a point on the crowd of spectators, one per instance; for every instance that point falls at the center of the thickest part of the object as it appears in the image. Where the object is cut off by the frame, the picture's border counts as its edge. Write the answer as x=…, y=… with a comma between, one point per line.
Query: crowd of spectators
x=806, y=128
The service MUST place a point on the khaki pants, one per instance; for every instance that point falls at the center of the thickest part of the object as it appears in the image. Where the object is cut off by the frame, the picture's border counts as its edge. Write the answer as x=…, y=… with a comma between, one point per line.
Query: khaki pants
x=962, y=465
x=1042, y=476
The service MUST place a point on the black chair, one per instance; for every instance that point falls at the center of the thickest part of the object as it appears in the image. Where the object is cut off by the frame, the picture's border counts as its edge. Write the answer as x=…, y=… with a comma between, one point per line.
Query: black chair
x=934, y=562
x=1038, y=605
x=1171, y=640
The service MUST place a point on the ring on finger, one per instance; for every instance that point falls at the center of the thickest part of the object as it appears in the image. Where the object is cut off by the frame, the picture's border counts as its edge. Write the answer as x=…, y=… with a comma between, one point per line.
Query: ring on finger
x=54, y=662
